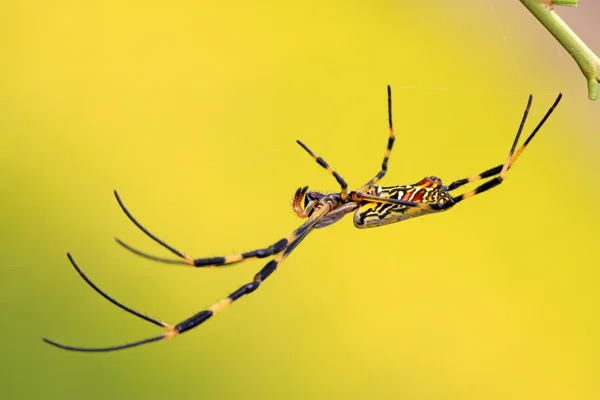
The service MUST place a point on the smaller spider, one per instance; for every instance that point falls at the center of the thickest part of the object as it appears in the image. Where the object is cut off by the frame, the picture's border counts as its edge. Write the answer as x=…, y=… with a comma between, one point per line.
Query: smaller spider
x=372, y=206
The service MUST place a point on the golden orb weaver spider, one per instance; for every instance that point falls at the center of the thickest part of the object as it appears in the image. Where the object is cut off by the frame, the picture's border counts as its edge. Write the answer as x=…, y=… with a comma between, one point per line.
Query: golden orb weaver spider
x=372, y=206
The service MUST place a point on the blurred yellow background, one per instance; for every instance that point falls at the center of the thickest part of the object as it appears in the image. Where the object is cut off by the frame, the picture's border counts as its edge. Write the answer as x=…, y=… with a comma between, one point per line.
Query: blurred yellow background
x=191, y=111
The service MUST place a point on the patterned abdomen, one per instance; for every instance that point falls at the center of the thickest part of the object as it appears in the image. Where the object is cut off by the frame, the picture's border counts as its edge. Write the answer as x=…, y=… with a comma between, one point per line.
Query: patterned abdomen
x=429, y=190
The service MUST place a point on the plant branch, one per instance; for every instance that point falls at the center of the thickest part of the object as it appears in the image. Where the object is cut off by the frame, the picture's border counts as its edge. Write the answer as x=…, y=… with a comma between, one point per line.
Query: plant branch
x=585, y=58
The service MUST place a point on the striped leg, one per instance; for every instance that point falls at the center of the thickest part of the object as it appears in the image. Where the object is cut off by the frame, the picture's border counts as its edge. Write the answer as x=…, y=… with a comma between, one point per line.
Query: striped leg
x=323, y=163
x=512, y=157
x=172, y=330
x=198, y=262
x=388, y=150
x=496, y=170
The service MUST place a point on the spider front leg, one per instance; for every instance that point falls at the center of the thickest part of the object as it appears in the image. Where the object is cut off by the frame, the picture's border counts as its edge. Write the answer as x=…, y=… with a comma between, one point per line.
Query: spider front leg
x=275, y=248
x=199, y=318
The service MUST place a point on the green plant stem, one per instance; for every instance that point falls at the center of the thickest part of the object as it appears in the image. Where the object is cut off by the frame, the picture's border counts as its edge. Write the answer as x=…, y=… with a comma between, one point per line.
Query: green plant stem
x=587, y=61
x=568, y=3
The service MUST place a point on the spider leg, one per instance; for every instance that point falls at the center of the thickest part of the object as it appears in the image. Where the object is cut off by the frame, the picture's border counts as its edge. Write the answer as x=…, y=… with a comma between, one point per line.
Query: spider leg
x=170, y=328
x=496, y=170
x=323, y=163
x=512, y=157
x=198, y=262
x=388, y=150
x=197, y=319
x=148, y=255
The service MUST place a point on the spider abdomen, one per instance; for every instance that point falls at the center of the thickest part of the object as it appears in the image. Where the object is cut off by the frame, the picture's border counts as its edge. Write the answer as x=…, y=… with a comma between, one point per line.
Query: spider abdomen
x=429, y=190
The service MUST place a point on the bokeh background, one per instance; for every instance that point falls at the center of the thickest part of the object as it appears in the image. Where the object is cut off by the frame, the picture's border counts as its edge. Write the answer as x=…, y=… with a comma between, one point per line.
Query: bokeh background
x=191, y=110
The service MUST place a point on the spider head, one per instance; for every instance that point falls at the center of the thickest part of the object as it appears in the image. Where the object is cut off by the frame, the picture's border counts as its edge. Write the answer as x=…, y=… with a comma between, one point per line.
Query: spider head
x=312, y=196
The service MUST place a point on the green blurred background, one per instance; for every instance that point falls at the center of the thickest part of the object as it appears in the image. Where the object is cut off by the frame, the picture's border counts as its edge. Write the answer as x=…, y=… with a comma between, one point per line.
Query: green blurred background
x=191, y=110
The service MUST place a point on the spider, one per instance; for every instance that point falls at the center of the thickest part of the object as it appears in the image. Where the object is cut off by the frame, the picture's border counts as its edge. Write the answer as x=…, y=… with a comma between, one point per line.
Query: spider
x=372, y=205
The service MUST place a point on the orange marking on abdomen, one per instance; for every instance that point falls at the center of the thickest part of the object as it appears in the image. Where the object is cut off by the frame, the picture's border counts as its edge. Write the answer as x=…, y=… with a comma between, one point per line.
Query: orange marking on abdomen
x=408, y=195
x=418, y=197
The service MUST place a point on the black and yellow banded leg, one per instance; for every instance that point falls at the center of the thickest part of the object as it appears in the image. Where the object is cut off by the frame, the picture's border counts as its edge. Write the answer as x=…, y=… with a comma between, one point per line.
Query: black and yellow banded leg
x=512, y=156
x=170, y=329
x=388, y=151
x=498, y=180
x=197, y=319
x=197, y=262
x=248, y=288
x=294, y=239
x=323, y=163
x=496, y=170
